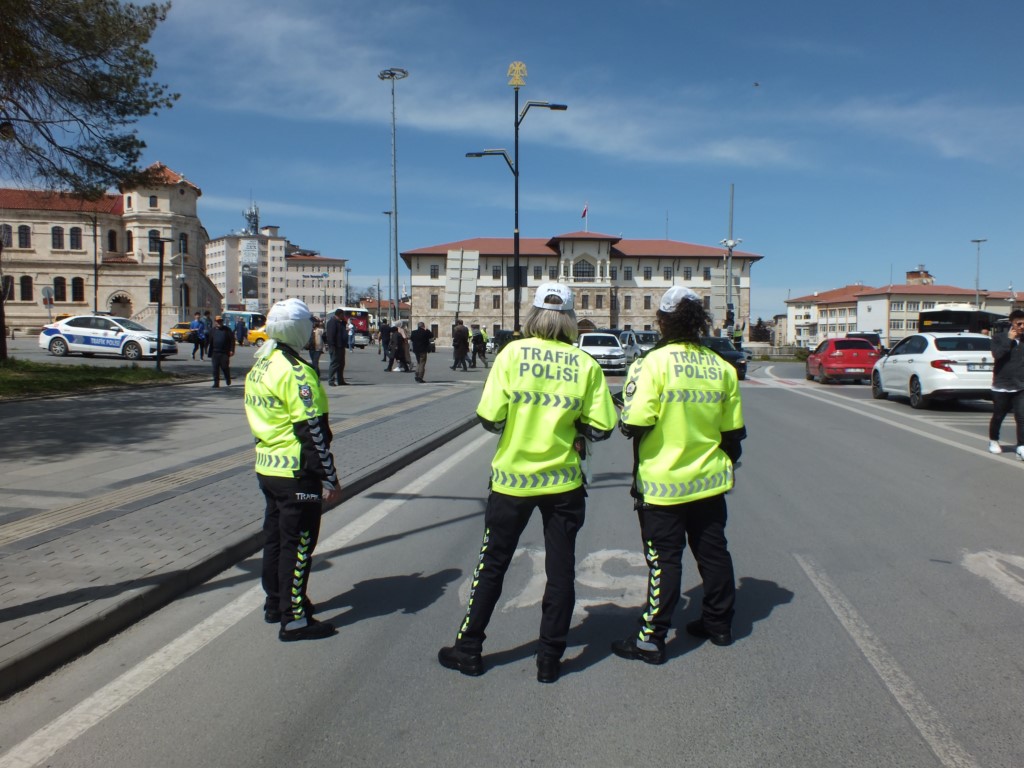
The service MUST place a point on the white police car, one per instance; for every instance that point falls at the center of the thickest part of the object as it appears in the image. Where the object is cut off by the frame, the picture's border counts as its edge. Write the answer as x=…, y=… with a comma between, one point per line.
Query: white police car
x=102, y=334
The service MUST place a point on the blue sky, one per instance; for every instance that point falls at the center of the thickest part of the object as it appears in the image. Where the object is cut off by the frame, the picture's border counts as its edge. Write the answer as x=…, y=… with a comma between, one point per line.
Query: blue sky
x=863, y=139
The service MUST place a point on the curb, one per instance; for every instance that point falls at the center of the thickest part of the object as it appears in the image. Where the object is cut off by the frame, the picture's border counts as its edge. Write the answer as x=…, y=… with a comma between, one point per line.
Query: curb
x=21, y=672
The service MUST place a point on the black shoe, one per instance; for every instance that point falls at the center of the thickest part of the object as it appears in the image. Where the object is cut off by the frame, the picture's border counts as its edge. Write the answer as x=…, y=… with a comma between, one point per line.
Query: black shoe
x=332, y=384
x=419, y=380
x=215, y=386
x=467, y=663
x=548, y=669
x=697, y=629
x=453, y=367
x=343, y=383
x=273, y=615
x=314, y=630
x=627, y=649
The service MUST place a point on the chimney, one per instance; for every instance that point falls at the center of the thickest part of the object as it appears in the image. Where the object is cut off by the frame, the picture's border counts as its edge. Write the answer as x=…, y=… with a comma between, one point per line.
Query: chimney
x=920, y=276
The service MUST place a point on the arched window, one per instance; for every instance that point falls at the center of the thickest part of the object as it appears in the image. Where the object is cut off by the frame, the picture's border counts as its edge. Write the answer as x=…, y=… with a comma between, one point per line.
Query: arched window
x=112, y=241
x=154, y=240
x=583, y=272
x=60, y=289
x=6, y=234
x=154, y=291
x=186, y=296
x=182, y=243
x=26, y=288
x=129, y=240
x=75, y=238
x=57, y=236
x=77, y=289
x=24, y=236
x=8, y=288
x=152, y=201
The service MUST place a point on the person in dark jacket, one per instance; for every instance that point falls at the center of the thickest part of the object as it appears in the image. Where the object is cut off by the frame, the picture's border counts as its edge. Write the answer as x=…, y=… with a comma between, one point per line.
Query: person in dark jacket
x=385, y=343
x=336, y=338
x=241, y=332
x=420, y=340
x=1008, y=382
x=460, y=345
x=222, y=349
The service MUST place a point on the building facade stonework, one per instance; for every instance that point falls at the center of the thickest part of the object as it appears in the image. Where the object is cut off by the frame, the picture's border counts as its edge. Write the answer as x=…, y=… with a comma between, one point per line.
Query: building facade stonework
x=617, y=282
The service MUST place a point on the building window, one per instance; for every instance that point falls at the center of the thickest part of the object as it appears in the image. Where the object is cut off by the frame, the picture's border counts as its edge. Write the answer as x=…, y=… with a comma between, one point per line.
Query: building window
x=77, y=289
x=707, y=303
x=8, y=288
x=154, y=291
x=627, y=273
x=476, y=301
x=24, y=236
x=57, y=238
x=496, y=272
x=896, y=306
x=112, y=241
x=129, y=242
x=538, y=272
x=707, y=273
x=6, y=235
x=599, y=301
x=75, y=239
x=911, y=325
x=687, y=273
x=615, y=303
x=666, y=273
x=496, y=301
x=182, y=243
x=552, y=273
x=927, y=305
x=60, y=289
x=629, y=303
x=583, y=272
x=154, y=240
x=648, y=273
x=585, y=301
x=613, y=272
x=896, y=325
x=647, y=302
x=26, y=288
x=435, y=271
x=913, y=306
x=129, y=203
x=152, y=201
x=433, y=301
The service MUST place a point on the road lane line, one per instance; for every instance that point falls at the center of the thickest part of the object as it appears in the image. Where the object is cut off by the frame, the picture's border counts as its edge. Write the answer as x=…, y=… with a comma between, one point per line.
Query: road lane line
x=45, y=742
x=1003, y=571
x=924, y=717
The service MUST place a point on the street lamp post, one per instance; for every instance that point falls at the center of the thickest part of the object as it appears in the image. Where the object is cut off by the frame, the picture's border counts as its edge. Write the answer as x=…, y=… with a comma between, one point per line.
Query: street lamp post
x=389, y=214
x=393, y=74
x=160, y=300
x=977, y=273
x=517, y=79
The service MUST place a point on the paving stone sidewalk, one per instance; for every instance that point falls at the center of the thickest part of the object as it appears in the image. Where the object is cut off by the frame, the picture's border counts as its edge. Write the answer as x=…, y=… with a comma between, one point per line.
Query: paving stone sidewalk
x=112, y=505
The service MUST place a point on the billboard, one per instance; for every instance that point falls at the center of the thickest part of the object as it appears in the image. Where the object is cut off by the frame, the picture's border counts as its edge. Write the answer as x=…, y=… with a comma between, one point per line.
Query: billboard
x=249, y=264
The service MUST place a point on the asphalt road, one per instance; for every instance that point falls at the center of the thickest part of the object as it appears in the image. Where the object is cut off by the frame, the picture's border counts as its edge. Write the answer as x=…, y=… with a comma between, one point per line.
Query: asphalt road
x=879, y=558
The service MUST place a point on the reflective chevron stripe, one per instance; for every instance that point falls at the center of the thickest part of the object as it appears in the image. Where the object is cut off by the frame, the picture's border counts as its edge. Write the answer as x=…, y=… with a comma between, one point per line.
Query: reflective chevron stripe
x=262, y=402
x=539, y=480
x=647, y=628
x=552, y=401
x=692, y=396
x=683, y=490
x=264, y=459
x=476, y=581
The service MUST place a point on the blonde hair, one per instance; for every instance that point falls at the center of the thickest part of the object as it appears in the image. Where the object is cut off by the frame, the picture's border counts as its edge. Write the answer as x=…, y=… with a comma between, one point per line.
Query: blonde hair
x=551, y=324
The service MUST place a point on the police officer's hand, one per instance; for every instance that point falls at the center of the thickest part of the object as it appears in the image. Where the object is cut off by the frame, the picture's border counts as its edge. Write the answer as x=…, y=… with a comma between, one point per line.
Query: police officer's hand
x=331, y=497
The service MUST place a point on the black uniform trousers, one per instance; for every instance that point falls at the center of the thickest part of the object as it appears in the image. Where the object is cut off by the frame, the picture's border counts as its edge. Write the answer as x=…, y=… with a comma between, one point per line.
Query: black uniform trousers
x=504, y=522
x=665, y=531
x=336, y=371
x=221, y=362
x=1002, y=404
x=291, y=527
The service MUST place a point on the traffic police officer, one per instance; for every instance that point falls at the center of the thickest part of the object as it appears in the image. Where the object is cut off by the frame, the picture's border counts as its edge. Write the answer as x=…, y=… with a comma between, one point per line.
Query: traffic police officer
x=287, y=412
x=544, y=397
x=681, y=407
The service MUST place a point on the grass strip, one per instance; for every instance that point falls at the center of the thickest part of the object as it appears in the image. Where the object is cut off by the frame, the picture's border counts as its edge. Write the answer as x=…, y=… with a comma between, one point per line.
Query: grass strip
x=21, y=378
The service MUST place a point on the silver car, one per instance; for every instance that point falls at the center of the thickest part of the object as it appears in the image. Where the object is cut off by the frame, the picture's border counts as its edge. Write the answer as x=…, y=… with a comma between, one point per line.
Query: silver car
x=605, y=349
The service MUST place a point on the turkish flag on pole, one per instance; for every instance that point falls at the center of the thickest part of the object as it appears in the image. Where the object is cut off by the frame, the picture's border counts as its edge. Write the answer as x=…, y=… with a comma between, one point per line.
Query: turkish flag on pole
x=585, y=207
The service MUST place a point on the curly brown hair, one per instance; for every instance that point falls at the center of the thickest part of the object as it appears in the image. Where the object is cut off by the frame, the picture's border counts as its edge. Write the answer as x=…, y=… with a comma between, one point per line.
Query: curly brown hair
x=688, y=322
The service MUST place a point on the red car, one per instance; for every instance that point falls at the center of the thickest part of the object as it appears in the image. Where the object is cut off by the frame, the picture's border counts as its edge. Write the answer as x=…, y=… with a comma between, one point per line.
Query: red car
x=842, y=360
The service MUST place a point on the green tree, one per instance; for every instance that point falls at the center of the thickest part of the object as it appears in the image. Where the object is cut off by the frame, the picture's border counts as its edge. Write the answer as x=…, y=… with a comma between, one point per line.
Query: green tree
x=75, y=76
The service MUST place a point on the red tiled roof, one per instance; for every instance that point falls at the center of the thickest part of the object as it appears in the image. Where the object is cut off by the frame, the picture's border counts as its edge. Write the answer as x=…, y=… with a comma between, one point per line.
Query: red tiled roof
x=848, y=293
x=164, y=175
x=35, y=200
x=535, y=246
x=920, y=290
x=311, y=257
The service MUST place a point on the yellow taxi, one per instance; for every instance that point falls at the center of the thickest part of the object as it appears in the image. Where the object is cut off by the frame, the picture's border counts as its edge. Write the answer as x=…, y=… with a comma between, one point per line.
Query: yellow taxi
x=257, y=336
x=179, y=331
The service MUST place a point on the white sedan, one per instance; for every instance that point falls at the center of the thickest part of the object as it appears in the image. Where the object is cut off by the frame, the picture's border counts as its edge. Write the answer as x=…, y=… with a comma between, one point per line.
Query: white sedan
x=935, y=366
x=605, y=349
x=103, y=334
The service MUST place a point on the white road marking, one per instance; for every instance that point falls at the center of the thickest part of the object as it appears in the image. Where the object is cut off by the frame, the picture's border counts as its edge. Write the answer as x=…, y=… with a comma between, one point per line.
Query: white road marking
x=45, y=742
x=924, y=717
x=1005, y=572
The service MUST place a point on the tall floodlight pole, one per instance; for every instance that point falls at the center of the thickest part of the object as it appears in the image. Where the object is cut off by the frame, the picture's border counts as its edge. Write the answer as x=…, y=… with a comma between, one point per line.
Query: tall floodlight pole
x=977, y=273
x=517, y=79
x=160, y=301
x=729, y=243
x=393, y=74
x=389, y=215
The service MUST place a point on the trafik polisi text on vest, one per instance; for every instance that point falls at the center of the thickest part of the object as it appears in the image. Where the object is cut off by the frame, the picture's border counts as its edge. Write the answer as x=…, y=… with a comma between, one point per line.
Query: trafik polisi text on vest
x=549, y=364
x=696, y=365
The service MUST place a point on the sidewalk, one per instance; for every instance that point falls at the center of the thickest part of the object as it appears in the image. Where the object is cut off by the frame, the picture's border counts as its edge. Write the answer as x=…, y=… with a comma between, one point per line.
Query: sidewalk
x=113, y=504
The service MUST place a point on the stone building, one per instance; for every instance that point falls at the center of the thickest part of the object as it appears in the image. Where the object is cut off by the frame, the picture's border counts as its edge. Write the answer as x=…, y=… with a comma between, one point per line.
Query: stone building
x=66, y=255
x=617, y=282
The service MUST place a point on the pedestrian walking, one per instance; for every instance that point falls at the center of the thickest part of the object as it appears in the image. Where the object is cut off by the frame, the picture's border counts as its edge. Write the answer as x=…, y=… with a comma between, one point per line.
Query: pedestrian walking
x=316, y=345
x=197, y=335
x=335, y=338
x=287, y=412
x=420, y=340
x=460, y=345
x=385, y=342
x=208, y=326
x=351, y=337
x=1008, y=382
x=543, y=412
x=479, y=341
x=400, y=347
x=241, y=332
x=682, y=409
x=222, y=349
